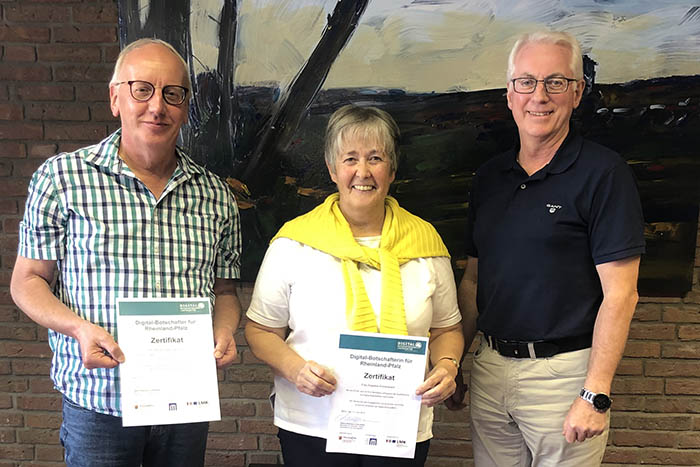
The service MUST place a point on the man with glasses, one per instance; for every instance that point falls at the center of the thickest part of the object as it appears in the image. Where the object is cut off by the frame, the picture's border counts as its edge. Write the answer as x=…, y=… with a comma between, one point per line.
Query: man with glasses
x=132, y=216
x=554, y=240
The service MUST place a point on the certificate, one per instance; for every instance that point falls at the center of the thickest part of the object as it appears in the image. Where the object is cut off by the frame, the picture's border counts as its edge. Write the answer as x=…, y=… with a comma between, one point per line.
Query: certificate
x=375, y=409
x=169, y=375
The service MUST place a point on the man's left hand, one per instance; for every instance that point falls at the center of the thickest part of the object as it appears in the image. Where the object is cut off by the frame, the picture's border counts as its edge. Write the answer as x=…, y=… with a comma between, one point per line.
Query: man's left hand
x=225, y=347
x=583, y=422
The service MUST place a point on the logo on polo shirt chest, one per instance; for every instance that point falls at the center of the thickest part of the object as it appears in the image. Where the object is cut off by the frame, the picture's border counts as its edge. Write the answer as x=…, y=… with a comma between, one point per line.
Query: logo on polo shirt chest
x=553, y=208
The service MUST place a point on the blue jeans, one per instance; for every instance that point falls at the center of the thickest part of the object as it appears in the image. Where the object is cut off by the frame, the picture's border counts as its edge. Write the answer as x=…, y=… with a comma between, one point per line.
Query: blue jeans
x=92, y=439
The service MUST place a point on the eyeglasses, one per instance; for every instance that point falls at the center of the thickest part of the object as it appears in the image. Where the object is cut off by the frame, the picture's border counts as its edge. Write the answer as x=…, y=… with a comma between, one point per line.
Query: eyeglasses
x=556, y=85
x=143, y=90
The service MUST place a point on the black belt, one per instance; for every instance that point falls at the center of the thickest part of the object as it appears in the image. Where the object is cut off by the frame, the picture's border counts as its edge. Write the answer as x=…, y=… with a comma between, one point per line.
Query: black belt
x=538, y=349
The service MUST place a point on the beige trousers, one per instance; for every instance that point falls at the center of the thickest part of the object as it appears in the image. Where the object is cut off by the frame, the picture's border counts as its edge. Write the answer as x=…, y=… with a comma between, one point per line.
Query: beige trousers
x=518, y=407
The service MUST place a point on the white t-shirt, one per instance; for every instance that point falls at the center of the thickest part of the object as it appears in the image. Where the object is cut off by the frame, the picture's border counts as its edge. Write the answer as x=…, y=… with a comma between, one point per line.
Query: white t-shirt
x=303, y=289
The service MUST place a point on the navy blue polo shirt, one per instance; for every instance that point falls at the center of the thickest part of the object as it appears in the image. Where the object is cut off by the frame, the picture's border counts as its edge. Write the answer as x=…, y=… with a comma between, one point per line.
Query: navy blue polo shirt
x=539, y=238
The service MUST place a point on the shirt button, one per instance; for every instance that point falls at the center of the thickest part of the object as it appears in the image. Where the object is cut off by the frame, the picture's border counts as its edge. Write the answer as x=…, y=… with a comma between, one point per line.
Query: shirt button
x=158, y=284
x=523, y=186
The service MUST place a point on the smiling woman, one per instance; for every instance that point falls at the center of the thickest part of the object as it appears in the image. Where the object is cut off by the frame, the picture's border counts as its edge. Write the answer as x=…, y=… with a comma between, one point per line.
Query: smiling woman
x=357, y=262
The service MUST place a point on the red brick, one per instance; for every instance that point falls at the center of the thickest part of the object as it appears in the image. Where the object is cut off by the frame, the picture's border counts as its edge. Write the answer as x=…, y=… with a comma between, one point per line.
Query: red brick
x=661, y=422
x=630, y=366
x=41, y=386
x=49, y=453
x=103, y=13
x=11, y=419
x=451, y=448
x=71, y=146
x=69, y=53
x=5, y=367
x=31, y=367
x=69, y=131
x=226, y=425
x=9, y=111
x=7, y=435
x=8, y=314
x=642, y=349
x=19, y=53
x=42, y=150
x=224, y=459
x=249, y=373
x=688, y=440
x=27, y=167
x=652, y=331
x=621, y=455
x=52, y=403
x=269, y=443
x=683, y=386
x=24, y=349
x=644, y=438
x=627, y=403
x=46, y=93
x=16, y=451
x=669, y=457
x=684, y=350
x=92, y=92
x=671, y=368
x=265, y=459
x=38, y=13
x=682, y=314
x=38, y=436
x=689, y=332
x=101, y=112
x=111, y=53
x=12, y=187
x=23, y=333
x=58, y=111
x=5, y=401
x=263, y=409
x=25, y=73
x=237, y=409
x=235, y=442
x=20, y=130
x=5, y=168
x=630, y=385
x=83, y=34
x=257, y=426
x=87, y=72
x=13, y=384
x=16, y=33
x=648, y=312
x=257, y=390
x=12, y=149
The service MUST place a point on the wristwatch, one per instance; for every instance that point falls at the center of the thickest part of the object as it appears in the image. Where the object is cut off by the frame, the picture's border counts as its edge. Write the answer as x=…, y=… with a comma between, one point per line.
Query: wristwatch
x=600, y=402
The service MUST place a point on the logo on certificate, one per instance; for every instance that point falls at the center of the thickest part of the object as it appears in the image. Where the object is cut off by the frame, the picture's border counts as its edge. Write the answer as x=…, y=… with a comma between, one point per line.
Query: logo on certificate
x=172, y=406
x=372, y=441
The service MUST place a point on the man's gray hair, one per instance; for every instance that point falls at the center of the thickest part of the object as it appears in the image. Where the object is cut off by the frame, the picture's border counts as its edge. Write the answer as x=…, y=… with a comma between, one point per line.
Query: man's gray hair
x=142, y=43
x=351, y=121
x=549, y=37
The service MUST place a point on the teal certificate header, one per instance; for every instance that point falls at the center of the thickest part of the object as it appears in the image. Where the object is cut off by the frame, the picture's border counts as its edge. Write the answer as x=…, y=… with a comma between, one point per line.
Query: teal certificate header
x=162, y=307
x=384, y=344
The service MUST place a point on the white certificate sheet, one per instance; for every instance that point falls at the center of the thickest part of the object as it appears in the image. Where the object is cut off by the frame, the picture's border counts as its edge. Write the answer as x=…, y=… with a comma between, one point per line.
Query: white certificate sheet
x=169, y=375
x=375, y=409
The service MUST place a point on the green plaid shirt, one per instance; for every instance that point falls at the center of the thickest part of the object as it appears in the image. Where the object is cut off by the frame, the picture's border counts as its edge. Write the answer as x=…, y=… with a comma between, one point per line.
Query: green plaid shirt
x=112, y=238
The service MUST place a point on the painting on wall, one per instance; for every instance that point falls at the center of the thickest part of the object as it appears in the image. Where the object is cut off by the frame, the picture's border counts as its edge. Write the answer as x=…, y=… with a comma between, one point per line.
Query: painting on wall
x=267, y=74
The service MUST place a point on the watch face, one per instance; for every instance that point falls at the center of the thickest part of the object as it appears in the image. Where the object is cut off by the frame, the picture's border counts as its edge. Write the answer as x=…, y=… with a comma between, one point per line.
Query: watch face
x=601, y=402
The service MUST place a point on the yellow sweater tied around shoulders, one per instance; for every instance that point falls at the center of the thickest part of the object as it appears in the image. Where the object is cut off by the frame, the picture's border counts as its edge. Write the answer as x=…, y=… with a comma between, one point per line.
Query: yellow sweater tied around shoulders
x=404, y=237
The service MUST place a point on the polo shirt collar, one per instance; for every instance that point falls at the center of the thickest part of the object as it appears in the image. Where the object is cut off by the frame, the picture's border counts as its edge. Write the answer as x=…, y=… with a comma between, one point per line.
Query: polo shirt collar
x=565, y=156
x=105, y=154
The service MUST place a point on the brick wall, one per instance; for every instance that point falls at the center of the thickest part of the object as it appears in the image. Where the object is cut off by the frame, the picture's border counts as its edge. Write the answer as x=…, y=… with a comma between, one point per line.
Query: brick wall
x=56, y=60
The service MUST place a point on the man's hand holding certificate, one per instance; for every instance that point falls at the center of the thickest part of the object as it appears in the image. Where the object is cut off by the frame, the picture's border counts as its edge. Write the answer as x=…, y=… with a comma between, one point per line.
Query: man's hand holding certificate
x=375, y=407
x=169, y=375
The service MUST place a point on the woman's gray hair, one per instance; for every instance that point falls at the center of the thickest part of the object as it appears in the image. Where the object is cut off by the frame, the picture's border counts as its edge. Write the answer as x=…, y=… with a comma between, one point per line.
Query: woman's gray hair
x=549, y=37
x=364, y=123
x=142, y=43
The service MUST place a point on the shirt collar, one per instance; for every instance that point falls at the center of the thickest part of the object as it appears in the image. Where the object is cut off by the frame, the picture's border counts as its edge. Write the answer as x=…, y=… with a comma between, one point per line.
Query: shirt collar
x=105, y=154
x=565, y=156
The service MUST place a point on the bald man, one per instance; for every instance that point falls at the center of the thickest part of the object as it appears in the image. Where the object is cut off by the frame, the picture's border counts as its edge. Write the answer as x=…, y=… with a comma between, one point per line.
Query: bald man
x=132, y=216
